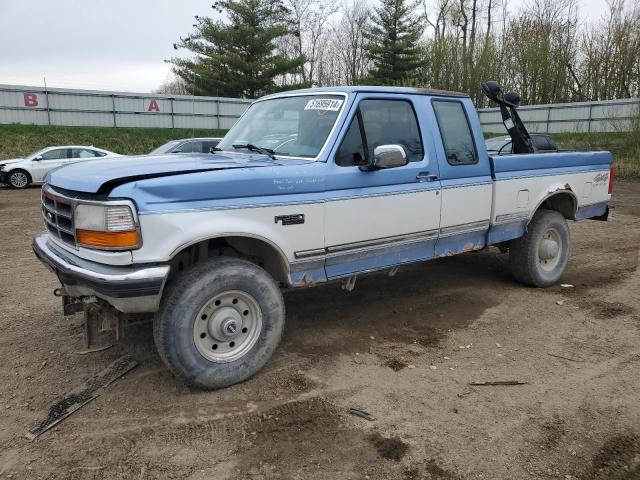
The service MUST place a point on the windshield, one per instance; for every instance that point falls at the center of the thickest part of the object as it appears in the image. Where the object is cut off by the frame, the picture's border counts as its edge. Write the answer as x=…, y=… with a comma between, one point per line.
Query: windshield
x=496, y=143
x=290, y=126
x=36, y=153
x=165, y=148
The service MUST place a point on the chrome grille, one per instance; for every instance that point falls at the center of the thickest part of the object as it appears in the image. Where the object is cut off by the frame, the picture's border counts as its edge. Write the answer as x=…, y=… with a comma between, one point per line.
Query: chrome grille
x=58, y=216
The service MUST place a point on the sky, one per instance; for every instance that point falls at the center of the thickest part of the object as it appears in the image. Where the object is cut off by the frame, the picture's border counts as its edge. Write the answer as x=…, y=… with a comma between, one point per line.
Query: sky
x=116, y=45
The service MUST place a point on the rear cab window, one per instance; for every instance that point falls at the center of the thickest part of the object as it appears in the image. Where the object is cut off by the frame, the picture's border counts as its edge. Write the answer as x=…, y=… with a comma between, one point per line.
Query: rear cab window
x=455, y=131
x=83, y=153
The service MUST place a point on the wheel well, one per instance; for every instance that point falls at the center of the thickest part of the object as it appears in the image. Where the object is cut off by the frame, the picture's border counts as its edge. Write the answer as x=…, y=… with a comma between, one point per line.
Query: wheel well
x=563, y=202
x=255, y=250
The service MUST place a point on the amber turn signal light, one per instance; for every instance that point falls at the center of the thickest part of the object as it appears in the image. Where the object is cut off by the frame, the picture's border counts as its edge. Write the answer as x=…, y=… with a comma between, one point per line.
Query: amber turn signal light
x=93, y=238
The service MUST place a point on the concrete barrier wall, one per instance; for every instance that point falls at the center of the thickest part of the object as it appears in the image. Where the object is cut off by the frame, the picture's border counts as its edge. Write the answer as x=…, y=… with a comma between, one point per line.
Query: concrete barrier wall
x=583, y=117
x=61, y=106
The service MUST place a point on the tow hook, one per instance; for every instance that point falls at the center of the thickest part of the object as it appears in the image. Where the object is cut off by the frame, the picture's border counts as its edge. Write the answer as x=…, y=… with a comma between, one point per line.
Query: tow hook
x=72, y=305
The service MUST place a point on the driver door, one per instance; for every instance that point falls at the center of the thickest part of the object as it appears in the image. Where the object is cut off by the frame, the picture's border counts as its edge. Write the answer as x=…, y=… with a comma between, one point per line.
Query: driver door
x=48, y=161
x=380, y=218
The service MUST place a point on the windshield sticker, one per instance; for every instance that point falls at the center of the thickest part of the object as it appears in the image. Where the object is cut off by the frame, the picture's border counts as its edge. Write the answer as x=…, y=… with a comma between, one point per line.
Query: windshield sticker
x=326, y=104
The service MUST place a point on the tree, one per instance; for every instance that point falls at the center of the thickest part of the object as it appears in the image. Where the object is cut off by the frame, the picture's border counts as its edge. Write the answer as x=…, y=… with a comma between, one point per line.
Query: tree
x=172, y=85
x=393, y=43
x=238, y=59
x=309, y=19
x=348, y=54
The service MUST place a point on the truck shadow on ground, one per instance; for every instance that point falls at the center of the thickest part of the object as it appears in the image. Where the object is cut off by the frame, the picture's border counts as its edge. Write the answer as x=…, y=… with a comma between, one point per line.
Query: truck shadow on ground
x=418, y=305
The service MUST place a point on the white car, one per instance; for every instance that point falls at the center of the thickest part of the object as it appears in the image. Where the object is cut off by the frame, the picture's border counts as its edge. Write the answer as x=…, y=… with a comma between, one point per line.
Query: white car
x=22, y=172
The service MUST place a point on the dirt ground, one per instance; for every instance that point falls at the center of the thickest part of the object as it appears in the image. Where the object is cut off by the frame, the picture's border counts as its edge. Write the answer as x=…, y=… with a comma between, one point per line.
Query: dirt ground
x=404, y=349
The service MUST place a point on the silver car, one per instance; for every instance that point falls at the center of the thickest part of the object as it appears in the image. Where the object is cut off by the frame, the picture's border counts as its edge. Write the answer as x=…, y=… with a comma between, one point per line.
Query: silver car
x=22, y=172
x=187, y=145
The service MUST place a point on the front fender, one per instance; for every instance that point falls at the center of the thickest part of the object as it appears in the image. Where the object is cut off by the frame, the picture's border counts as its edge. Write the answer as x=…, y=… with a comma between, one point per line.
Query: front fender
x=164, y=235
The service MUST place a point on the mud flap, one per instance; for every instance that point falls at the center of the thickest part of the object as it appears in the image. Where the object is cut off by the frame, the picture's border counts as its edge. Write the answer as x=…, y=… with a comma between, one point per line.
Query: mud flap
x=102, y=327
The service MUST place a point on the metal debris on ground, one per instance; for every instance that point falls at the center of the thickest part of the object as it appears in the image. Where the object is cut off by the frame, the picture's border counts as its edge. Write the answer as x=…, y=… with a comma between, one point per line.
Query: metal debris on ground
x=565, y=358
x=361, y=413
x=92, y=388
x=497, y=383
x=566, y=285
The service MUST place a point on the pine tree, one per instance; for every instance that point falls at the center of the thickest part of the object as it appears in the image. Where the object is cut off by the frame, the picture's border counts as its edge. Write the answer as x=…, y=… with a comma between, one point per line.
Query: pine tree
x=239, y=58
x=392, y=43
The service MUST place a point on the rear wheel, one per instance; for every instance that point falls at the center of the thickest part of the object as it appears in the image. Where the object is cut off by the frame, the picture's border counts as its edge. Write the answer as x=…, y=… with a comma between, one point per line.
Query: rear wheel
x=540, y=256
x=18, y=179
x=219, y=323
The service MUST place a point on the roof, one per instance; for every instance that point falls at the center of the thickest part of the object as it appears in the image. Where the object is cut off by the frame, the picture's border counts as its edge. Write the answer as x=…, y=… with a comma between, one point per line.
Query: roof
x=77, y=146
x=374, y=89
x=194, y=138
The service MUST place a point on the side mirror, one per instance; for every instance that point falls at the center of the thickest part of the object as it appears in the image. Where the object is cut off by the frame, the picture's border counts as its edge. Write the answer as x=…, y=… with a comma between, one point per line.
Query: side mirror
x=512, y=98
x=38, y=158
x=492, y=90
x=389, y=156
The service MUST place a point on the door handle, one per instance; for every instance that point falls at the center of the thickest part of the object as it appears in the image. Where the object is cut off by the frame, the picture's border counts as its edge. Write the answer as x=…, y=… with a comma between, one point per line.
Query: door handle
x=426, y=177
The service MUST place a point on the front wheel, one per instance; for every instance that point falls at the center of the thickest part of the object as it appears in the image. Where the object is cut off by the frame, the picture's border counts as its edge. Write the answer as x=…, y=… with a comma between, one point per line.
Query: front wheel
x=539, y=257
x=219, y=323
x=18, y=179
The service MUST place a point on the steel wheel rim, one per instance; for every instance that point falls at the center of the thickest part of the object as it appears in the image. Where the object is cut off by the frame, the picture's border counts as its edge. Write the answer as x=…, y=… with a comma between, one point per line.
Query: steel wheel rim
x=227, y=326
x=19, y=180
x=550, y=250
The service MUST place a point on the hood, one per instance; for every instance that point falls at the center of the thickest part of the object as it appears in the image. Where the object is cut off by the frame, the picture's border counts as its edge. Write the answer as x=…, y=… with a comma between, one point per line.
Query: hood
x=11, y=160
x=102, y=176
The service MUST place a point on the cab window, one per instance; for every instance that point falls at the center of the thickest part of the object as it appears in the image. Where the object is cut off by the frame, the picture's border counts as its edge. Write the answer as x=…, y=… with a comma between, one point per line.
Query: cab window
x=455, y=132
x=57, y=154
x=380, y=122
x=83, y=153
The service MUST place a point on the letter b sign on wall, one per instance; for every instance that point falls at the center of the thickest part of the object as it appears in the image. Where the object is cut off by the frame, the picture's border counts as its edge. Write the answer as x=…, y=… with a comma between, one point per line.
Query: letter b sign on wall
x=30, y=99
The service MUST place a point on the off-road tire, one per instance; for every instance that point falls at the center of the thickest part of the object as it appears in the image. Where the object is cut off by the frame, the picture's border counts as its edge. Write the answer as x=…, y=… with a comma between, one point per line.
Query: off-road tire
x=184, y=299
x=524, y=257
x=12, y=178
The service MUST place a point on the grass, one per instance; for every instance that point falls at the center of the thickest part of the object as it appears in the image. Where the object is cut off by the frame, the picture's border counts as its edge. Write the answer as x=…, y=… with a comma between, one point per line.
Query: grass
x=625, y=148
x=21, y=140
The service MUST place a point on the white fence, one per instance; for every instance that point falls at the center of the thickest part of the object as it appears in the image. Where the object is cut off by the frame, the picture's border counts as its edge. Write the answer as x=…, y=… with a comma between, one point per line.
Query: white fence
x=61, y=106
x=604, y=116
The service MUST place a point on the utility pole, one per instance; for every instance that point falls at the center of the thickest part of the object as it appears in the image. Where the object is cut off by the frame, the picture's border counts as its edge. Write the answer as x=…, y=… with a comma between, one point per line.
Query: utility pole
x=193, y=105
x=46, y=96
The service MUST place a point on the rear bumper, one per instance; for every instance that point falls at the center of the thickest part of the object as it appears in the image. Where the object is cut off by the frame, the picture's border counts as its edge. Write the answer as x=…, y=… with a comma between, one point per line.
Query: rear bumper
x=130, y=289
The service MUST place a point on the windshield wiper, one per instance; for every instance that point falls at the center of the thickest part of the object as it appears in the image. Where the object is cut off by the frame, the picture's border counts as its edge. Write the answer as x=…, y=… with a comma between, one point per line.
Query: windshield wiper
x=251, y=147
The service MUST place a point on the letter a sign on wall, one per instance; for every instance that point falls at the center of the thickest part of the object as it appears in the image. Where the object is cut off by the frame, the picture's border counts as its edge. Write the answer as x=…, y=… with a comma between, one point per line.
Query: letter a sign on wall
x=153, y=106
x=30, y=99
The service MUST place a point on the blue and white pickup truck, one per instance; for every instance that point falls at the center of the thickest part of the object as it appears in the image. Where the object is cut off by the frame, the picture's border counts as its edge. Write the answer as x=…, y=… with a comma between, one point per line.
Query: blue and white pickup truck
x=308, y=187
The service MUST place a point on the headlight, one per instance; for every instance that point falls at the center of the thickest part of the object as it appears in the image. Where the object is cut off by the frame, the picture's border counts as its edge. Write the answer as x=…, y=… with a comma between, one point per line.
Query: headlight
x=106, y=226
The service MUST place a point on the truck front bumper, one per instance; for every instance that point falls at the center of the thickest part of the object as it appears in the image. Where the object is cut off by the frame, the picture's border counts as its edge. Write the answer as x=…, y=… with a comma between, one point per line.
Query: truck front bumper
x=130, y=289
